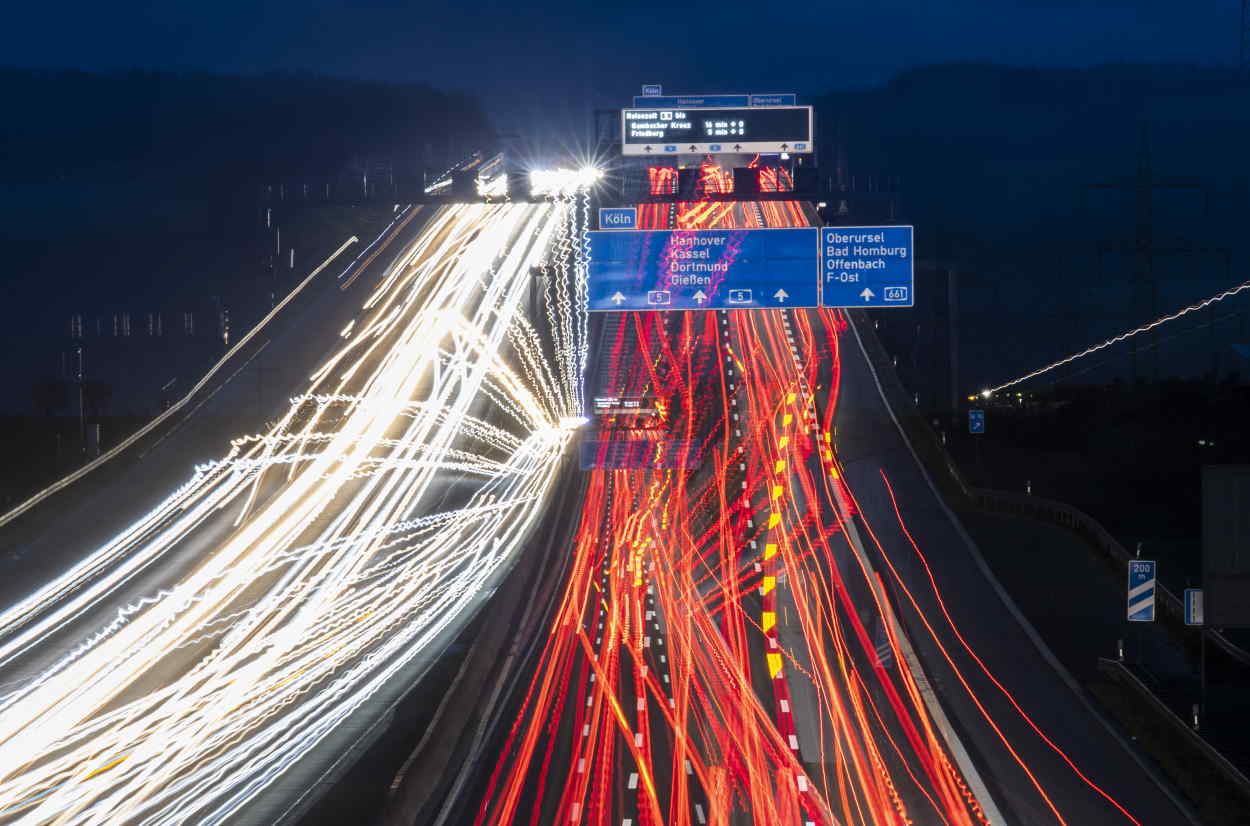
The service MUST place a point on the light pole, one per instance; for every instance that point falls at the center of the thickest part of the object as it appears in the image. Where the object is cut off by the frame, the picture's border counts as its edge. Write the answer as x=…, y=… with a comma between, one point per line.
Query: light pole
x=80, y=376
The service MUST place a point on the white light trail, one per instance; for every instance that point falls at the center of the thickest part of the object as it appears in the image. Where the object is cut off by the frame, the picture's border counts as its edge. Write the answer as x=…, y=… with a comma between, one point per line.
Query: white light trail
x=1121, y=337
x=328, y=552
x=566, y=182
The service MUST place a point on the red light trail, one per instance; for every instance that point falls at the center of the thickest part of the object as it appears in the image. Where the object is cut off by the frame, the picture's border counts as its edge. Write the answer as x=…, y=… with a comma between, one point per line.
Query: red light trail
x=724, y=644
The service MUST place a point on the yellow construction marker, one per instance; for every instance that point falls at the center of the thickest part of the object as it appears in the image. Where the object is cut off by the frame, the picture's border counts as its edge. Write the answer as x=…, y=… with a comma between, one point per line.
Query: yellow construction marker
x=770, y=550
x=790, y=398
x=768, y=621
x=769, y=583
x=774, y=519
x=786, y=420
x=777, y=491
x=774, y=665
x=785, y=440
x=780, y=466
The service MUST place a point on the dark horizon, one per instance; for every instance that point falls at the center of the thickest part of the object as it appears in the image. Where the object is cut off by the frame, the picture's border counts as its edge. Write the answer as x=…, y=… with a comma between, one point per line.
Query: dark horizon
x=569, y=55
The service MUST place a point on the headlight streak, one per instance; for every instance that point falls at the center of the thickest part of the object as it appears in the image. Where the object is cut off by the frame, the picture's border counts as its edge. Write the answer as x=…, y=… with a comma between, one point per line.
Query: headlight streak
x=189, y=701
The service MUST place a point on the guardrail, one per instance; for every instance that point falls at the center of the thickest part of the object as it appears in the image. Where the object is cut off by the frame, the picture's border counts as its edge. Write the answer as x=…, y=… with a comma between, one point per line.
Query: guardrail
x=177, y=406
x=1066, y=516
x=1116, y=670
x=1018, y=504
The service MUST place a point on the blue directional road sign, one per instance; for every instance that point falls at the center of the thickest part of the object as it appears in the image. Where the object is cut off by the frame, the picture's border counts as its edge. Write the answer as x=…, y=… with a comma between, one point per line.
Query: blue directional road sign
x=1193, y=606
x=773, y=100
x=651, y=97
x=976, y=421
x=1141, y=590
x=704, y=269
x=691, y=101
x=867, y=267
x=618, y=217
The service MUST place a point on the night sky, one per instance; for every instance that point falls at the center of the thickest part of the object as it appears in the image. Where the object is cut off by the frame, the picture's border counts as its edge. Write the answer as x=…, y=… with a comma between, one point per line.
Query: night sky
x=578, y=55
x=540, y=69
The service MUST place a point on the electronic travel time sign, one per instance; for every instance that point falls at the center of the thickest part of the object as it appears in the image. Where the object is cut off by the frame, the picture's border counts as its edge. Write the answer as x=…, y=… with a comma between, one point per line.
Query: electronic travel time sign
x=716, y=130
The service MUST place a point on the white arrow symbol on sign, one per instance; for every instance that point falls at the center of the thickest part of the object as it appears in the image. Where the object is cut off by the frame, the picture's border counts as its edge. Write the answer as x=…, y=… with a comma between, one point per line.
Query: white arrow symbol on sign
x=781, y=295
x=700, y=296
x=618, y=298
x=867, y=294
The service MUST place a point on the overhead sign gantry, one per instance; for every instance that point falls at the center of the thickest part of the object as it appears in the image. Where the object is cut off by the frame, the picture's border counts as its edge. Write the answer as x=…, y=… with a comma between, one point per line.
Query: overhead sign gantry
x=637, y=269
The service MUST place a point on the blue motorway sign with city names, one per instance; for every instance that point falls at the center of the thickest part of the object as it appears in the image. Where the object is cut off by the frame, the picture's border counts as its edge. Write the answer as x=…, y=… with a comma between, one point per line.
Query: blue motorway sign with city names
x=867, y=267
x=703, y=269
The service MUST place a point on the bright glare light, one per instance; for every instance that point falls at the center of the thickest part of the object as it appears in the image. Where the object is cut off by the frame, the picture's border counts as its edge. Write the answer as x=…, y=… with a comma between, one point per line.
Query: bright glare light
x=985, y=394
x=495, y=187
x=563, y=181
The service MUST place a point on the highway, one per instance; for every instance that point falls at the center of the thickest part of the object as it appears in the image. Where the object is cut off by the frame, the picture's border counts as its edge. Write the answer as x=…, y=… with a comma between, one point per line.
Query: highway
x=773, y=620
x=175, y=672
x=785, y=625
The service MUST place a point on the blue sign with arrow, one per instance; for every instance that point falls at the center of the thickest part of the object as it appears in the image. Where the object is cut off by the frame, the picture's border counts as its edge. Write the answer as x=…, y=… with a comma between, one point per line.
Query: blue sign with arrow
x=703, y=269
x=1141, y=590
x=976, y=421
x=867, y=266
